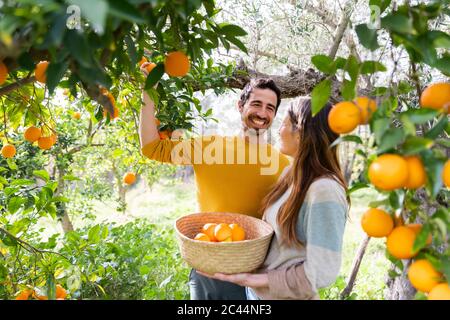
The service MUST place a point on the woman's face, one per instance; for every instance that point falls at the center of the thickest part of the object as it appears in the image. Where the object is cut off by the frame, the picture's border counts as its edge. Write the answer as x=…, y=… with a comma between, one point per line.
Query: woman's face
x=289, y=137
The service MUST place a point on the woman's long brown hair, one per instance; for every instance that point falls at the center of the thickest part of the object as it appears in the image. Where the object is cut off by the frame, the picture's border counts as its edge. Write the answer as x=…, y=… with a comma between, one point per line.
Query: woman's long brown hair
x=314, y=159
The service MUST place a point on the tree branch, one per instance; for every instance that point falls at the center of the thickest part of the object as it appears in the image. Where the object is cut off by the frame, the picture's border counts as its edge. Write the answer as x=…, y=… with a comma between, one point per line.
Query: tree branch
x=28, y=246
x=345, y=19
x=16, y=85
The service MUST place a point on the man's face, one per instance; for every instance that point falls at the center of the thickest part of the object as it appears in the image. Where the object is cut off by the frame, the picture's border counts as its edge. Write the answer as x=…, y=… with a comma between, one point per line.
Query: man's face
x=259, y=110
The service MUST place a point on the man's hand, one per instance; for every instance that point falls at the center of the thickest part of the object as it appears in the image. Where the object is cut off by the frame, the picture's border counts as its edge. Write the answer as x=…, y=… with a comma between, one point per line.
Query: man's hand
x=144, y=70
x=254, y=280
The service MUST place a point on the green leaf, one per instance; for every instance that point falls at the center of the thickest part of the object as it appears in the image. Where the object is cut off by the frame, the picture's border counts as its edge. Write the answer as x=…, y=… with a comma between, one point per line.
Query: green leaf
x=60, y=199
x=440, y=225
x=131, y=50
x=422, y=237
x=104, y=232
x=55, y=72
x=445, y=263
x=396, y=198
x=378, y=91
x=340, y=63
x=209, y=7
x=433, y=167
x=94, y=11
x=26, y=61
x=154, y=76
x=15, y=203
x=125, y=11
x=443, y=64
x=10, y=190
x=238, y=43
x=438, y=128
x=78, y=46
x=7, y=239
x=352, y=67
x=143, y=270
x=367, y=36
x=320, y=96
x=51, y=286
x=70, y=177
x=414, y=145
x=22, y=182
x=369, y=67
x=404, y=87
x=397, y=22
x=380, y=126
x=42, y=174
x=12, y=164
x=323, y=63
x=348, y=137
x=95, y=75
x=357, y=186
x=408, y=126
x=439, y=39
x=422, y=115
x=391, y=138
x=444, y=142
x=94, y=234
x=231, y=30
x=382, y=4
x=348, y=90
x=56, y=30
x=51, y=210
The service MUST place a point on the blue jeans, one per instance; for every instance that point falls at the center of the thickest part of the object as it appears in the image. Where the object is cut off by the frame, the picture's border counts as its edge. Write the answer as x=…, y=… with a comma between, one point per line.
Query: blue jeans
x=204, y=288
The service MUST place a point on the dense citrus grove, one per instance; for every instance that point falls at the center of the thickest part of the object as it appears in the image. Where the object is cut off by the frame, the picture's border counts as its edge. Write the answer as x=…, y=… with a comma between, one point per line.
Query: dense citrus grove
x=389, y=172
x=221, y=232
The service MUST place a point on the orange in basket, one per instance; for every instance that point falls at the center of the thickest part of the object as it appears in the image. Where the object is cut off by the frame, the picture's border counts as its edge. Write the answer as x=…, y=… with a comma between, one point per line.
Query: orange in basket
x=241, y=255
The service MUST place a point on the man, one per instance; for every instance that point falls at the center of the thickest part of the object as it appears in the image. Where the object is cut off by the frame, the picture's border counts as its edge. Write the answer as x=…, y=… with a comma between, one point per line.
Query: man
x=232, y=174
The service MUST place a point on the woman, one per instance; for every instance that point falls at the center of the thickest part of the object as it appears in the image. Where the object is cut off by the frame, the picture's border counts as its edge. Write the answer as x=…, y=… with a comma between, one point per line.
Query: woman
x=307, y=208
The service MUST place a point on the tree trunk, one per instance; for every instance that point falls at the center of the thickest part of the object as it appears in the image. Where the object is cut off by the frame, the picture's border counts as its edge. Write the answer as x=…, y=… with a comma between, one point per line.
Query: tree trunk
x=355, y=268
x=122, y=190
x=62, y=212
x=399, y=288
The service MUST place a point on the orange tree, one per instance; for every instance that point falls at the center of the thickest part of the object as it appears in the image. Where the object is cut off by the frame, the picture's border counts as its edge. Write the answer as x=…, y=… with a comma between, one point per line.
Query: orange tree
x=407, y=161
x=90, y=51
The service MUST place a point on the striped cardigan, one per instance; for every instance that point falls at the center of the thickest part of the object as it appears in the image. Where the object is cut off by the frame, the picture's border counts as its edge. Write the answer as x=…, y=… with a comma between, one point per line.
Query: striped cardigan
x=297, y=272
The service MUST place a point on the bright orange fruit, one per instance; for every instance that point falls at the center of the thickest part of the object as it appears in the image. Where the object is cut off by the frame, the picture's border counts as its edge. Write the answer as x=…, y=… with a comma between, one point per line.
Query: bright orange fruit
x=208, y=229
x=202, y=237
x=222, y=231
x=238, y=233
x=176, y=64
x=41, y=71
x=32, y=134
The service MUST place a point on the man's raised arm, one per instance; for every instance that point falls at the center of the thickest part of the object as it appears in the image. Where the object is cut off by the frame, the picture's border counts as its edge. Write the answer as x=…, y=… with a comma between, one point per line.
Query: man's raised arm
x=148, y=130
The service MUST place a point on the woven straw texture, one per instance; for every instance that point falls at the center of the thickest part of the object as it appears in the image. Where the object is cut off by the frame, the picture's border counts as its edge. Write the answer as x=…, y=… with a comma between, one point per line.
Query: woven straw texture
x=223, y=257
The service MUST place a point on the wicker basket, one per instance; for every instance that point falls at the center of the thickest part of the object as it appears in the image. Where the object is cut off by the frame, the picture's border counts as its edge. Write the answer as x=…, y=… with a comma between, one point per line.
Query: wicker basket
x=223, y=257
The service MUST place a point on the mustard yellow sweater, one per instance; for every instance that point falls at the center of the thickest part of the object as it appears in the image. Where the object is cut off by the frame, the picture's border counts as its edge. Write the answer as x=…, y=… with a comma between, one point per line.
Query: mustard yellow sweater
x=232, y=174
